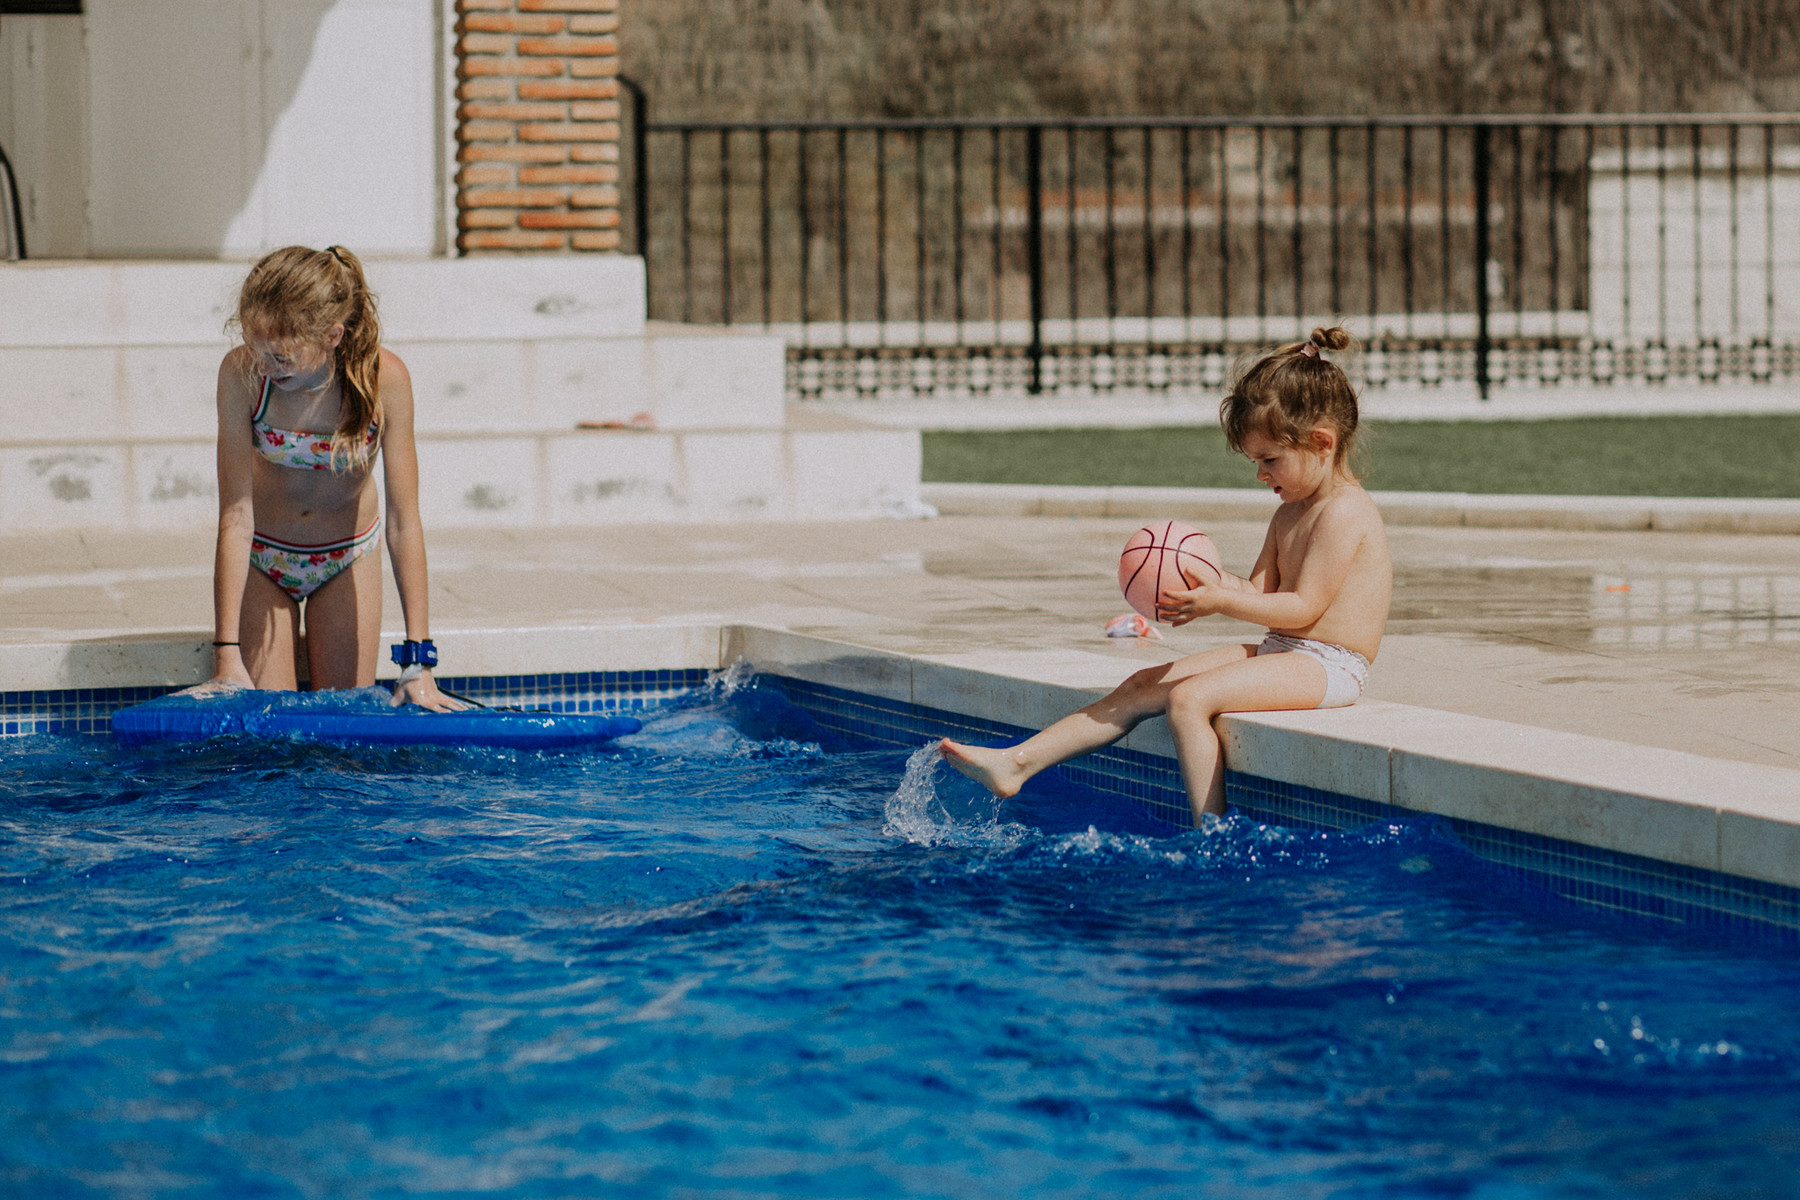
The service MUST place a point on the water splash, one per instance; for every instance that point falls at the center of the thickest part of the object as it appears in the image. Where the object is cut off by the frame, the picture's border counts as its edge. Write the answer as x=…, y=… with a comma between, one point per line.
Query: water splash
x=909, y=809
x=722, y=685
x=965, y=814
x=731, y=715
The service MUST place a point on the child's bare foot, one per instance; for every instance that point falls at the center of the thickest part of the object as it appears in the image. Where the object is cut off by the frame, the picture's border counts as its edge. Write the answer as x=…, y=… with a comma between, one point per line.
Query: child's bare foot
x=994, y=769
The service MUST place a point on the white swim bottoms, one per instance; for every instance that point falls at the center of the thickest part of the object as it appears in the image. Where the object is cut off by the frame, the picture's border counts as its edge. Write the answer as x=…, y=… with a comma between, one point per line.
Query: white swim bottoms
x=1346, y=671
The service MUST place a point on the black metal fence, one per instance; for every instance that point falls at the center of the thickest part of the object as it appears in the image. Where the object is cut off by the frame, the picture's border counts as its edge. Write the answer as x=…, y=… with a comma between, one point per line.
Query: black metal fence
x=904, y=258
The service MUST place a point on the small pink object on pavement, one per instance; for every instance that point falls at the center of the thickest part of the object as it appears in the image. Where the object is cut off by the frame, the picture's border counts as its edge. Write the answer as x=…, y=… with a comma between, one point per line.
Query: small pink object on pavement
x=1132, y=625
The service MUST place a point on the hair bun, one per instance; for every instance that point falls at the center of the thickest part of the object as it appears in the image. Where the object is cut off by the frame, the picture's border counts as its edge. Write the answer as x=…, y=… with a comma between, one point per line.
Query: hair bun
x=1330, y=339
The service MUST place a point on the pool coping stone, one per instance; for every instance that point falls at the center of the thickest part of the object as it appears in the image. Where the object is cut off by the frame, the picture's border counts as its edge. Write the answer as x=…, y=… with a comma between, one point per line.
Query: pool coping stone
x=1694, y=514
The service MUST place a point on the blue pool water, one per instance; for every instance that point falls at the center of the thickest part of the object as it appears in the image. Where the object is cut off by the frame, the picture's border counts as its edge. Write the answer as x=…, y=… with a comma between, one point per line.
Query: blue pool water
x=718, y=959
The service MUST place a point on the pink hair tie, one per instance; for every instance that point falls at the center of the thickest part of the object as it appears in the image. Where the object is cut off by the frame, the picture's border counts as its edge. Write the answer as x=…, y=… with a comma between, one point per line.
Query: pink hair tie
x=1311, y=349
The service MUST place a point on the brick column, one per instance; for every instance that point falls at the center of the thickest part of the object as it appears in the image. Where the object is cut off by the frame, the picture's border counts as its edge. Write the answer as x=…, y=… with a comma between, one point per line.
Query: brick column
x=537, y=126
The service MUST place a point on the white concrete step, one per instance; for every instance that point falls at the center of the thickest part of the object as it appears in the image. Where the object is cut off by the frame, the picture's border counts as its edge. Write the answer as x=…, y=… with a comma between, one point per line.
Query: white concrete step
x=109, y=350
x=108, y=370
x=79, y=302
x=812, y=467
x=684, y=377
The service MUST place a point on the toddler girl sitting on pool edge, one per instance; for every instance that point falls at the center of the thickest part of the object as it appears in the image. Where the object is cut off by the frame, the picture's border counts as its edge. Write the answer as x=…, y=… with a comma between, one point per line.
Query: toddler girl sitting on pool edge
x=1321, y=584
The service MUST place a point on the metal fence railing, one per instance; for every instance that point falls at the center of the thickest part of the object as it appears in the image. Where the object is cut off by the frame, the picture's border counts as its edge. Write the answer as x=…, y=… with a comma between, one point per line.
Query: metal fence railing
x=907, y=258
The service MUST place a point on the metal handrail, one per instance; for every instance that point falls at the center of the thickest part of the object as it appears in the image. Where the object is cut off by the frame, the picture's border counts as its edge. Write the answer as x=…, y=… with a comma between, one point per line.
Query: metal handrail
x=15, y=228
x=640, y=163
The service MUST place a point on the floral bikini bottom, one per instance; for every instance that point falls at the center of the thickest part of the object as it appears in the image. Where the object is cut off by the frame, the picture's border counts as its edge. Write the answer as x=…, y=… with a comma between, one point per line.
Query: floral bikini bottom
x=302, y=570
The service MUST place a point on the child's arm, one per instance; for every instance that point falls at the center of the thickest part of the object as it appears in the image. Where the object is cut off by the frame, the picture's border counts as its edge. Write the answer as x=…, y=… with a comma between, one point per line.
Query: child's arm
x=1265, y=576
x=237, y=524
x=405, y=533
x=1324, y=564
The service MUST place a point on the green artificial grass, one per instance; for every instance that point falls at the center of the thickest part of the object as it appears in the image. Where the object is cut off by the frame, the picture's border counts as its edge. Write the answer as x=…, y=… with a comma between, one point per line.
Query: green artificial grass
x=1584, y=456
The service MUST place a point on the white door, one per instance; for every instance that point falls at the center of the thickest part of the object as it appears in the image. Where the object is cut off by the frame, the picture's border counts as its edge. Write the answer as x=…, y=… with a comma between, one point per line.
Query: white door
x=175, y=123
x=230, y=127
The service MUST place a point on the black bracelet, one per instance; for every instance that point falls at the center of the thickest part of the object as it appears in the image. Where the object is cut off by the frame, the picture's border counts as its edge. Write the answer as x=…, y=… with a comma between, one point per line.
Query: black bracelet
x=216, y=645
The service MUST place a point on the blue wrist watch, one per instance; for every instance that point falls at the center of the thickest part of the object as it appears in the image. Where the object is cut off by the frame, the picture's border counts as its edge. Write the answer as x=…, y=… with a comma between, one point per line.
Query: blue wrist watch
x=410, y=653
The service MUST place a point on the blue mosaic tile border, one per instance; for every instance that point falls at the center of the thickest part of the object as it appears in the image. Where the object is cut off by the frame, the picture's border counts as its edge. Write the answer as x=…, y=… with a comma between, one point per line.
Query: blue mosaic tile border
x=1613, y=882
x=1623, y=884
x=74, y=710
x=864, y=721
x=90, y=710
x=578, y=691
x=1610, y=880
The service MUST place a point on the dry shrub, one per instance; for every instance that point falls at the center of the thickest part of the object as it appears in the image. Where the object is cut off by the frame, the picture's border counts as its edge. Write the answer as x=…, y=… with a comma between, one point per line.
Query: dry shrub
x=723, y=59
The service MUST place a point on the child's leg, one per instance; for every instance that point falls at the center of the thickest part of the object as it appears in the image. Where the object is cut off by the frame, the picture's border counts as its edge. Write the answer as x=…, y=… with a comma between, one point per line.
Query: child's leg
x=269, y=633
x=343, y=626
x=1266, y=683
x=1004, y=770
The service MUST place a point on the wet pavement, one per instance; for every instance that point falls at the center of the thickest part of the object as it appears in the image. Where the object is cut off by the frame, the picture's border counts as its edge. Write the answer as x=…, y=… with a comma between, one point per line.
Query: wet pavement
x=1683, y=641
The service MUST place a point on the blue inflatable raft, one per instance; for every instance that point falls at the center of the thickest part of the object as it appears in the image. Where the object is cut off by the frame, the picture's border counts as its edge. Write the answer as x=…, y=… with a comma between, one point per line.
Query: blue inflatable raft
x=361, y=718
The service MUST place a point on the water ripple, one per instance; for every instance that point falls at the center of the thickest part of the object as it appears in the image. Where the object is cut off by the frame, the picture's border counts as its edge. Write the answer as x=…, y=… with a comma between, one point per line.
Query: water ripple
x=728, y=955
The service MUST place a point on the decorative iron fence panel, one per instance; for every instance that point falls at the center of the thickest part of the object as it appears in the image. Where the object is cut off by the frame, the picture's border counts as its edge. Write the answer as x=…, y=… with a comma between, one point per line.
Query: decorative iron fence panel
x=908, y=258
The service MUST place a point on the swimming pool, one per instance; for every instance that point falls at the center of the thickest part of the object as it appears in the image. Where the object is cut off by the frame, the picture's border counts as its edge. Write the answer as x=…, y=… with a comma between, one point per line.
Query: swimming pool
x=743, y=954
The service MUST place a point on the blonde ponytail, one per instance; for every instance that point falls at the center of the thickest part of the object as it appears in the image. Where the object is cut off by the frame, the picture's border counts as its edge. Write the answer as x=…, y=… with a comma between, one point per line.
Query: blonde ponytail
x=359, y=360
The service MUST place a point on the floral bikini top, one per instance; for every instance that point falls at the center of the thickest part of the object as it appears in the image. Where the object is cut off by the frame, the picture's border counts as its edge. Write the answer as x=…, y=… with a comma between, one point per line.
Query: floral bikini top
x=290, y=447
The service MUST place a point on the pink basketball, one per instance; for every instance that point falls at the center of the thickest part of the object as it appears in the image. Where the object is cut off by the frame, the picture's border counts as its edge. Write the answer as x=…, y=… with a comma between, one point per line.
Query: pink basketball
x=1165, y=556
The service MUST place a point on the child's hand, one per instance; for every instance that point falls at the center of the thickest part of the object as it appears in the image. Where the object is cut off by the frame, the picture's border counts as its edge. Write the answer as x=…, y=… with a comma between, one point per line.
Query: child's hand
x=229, y=675
x=218, y=685
x=1178, y=608
x=422, y=689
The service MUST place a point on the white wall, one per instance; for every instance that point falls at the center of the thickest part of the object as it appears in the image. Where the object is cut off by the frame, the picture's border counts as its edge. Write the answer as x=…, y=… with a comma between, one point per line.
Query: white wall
x=208, y=128
x=1658, y=244
x=43, y=124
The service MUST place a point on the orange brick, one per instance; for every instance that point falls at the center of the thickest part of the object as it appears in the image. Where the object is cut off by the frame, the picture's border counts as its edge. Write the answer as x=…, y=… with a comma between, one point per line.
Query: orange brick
x=604, y=218
x=465, y=6
x=487, y=218
x=597, y=174
x=474, y=65
x=584, y=6
x=483, y=43
x=490, y=174
x=570, y=46
x=485, y=89
x=570, y=131
x=595, y=197
x=598, y=239
x=568, y=89
x=487, y=110
x=512, y=23
x=486, y=131
x=590, y=68
x=488, y=152
x=607, y=152
x=474, y=198
x=606, y=23
x=595, y=110
x=511, y=239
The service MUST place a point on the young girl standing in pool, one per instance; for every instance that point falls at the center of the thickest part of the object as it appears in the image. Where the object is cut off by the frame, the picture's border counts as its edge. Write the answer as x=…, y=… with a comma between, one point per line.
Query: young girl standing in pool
x=306, y=406
x=1321, y=584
